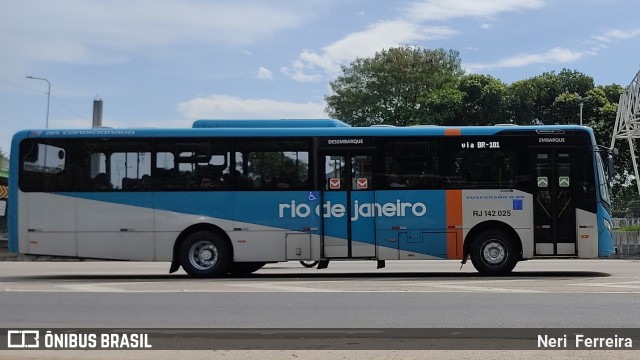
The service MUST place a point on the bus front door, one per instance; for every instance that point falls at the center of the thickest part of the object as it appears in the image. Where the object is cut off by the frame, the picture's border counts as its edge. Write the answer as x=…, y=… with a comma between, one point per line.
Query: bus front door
x=348, y=217
x=554, y=210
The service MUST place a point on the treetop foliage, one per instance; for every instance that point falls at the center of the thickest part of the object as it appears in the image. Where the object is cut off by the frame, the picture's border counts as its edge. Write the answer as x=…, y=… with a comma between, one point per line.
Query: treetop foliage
x=393, y=87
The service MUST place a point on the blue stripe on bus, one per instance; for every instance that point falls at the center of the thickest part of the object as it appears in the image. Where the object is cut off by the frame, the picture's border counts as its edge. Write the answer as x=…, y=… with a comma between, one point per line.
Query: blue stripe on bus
x=415, y=220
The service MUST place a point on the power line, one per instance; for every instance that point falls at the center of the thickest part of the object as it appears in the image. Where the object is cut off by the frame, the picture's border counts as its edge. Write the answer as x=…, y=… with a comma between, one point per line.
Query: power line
x=44, y=92
x=22, y=87
x=68, y=108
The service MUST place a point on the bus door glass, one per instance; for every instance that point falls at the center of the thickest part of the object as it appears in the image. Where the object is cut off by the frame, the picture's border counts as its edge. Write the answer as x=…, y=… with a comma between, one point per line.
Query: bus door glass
x=554, y=209
x=348, y=198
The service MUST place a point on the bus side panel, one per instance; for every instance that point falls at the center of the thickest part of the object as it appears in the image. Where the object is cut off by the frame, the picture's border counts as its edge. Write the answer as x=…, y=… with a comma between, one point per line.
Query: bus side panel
x=257, y=223
x=169, y=225
x=411, y=224
x=47, y=224
x=587, y=230
x=115, y=231
x=275, y=225
x=512, y=207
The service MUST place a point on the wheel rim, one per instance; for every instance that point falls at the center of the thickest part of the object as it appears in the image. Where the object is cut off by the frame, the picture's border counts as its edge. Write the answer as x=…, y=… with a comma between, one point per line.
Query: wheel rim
x=494, y=253
x=203, y=255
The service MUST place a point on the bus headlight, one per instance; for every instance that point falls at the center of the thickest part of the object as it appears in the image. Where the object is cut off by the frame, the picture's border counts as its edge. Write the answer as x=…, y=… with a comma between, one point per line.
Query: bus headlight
x=607, y=225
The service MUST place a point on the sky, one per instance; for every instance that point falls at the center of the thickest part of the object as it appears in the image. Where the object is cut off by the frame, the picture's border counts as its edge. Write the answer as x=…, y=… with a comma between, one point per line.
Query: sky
x=166, y=63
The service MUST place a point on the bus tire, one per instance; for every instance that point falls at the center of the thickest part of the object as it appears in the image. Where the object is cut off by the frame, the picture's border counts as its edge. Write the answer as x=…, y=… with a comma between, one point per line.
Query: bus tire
x=493, y=253
x=245, y=268
x=309, y=263
x=204, y=254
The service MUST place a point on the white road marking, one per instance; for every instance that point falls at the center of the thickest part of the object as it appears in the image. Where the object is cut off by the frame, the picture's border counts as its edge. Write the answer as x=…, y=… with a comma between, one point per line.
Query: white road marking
x=90, y=288
x=468, y=288
x=278, y=287
x=629, y=285
x=621, y=284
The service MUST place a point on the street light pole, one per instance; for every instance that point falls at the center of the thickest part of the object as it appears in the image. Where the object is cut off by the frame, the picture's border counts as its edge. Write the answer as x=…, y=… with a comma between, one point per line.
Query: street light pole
x=581, y=103
x=48, y=95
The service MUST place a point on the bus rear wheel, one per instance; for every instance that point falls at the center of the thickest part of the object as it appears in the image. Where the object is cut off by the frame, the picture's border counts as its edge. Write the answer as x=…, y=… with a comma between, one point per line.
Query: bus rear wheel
x=493, y=253
x=204, y=254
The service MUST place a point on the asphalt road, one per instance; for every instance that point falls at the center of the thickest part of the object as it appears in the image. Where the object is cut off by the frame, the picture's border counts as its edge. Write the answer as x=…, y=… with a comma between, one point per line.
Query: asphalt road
x=407, y=294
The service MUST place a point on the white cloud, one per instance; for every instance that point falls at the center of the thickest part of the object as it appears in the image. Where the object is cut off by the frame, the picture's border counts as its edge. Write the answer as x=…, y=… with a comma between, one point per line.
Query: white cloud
x=219, y=106
x=93, y=31
x=553, y=56
x=442, y=10
x=617, y=34
x=297, y=72
x=311, y=66
x=409, y=29
x=264, y=74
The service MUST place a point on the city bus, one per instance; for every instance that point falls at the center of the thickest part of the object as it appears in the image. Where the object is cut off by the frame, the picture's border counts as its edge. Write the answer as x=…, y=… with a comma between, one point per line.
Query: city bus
x=228, y=197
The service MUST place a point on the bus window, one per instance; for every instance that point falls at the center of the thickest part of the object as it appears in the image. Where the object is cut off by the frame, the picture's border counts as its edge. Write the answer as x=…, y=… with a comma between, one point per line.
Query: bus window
x=127, y=170
x=361, y=172
x=44, y=167
x=481, y=168
x=273, y=165
x=45, y=158
x=411, y=164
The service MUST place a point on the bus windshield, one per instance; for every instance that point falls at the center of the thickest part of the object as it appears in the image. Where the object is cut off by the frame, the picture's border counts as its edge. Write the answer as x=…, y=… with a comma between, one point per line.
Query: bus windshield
x=602, y=181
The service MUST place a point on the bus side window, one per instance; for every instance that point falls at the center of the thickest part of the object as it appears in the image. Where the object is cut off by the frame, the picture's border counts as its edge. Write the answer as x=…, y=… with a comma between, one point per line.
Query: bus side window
x=411, y=164
x=481, y=168
x=44, y=167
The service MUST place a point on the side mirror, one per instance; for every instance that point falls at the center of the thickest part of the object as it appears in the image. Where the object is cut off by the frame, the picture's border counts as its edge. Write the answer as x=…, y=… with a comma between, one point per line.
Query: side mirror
x=610, y=168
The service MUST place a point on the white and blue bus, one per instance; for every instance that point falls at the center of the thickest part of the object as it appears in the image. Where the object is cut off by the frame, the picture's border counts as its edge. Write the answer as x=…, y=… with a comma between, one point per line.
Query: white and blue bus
x=230, y=196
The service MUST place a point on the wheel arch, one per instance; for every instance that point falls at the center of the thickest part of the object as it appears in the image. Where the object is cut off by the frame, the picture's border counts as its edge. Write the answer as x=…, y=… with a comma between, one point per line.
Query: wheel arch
x=490, y=225
x=175, y=262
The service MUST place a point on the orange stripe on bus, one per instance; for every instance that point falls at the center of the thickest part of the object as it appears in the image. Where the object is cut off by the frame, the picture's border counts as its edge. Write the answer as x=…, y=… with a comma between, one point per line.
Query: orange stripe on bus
x=454, y=223
x=452, y=132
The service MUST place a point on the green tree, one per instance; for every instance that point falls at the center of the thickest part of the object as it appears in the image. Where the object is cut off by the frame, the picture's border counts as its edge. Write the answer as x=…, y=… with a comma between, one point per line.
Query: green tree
x=484, y=101
x=548, y=98
x=521, y=101
x=444, y=106
x=394, y=86
x=573, y=81
x=4, y=161
x=565, y=109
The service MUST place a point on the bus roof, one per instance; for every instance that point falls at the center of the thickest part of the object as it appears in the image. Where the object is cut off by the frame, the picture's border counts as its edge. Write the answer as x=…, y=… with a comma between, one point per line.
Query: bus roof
x=281, y=123
x=300, y=132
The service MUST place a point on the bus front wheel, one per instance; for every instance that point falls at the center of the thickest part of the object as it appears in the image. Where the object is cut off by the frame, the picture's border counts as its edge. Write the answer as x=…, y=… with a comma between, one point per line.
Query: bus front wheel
x=204, y=254
x=493, y=253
